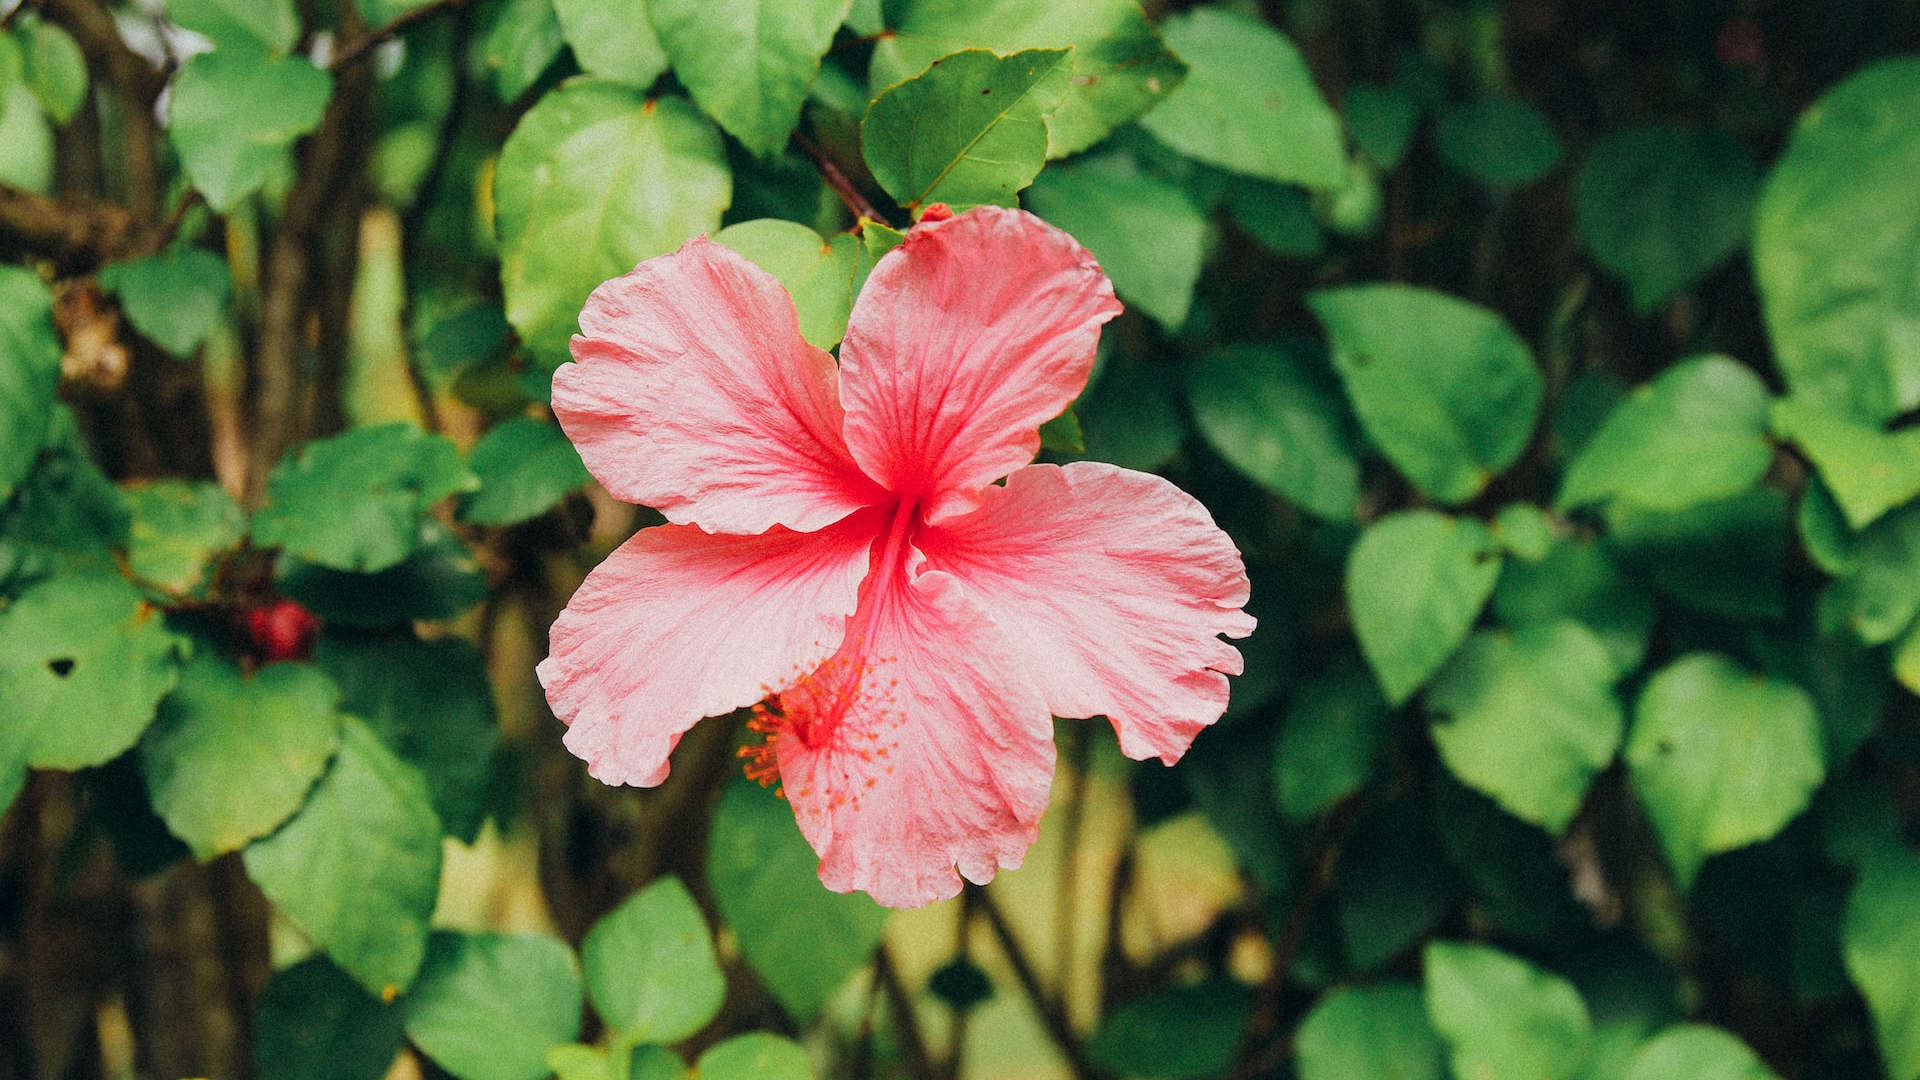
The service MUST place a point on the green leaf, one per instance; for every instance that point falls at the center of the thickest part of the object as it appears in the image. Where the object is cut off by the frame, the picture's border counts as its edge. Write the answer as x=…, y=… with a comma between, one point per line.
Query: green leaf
x=1695, y=433
x=1881, y=593
x=466, y=339
x=613, y=38
x=1503, y=1017
x=357, y=870
x=1661, y=206
x=1576, y=580
x=1121, y=68
x=29, y=372
x=651, y=968
x=55, y=68
x=174, y=299
x=1721, y=757
x=1504, y=143
x=1834, y=247
x=1131, y=417
x=230, y=756
x=755, y=1056
x=1867, y=472
x=489, y=1006
x=233, y=113
x=1881, y=939
x=748, y=63
x=1525, y=531
x=439, y=580
x=1062, y=434
x=1382, y=120
x=84, y=659
x=271, y=26
x=525, y=466
x=1279, y=216
x=1182, y=1034
x=1824, y=532
x=432, y=703
x=181, y=528
x=26, y=142
x=522, y=42
x=1528, y=717
x=802, y=940
x=818, y=273
x=1365, y=1033
x=1415, y=583
x=353, y=502
x=313, y=1022
x=968, y=130
x=1697, y=1052
x=1724, y=557
x=1446, y=388
x=593, y=180
x=1148, y=236
x=1275, y=414
x=1248, y=103
x=1334, y=729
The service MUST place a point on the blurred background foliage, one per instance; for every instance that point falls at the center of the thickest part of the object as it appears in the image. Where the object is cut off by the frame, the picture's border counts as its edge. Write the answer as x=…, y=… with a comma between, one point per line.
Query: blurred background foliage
x=1552, y=361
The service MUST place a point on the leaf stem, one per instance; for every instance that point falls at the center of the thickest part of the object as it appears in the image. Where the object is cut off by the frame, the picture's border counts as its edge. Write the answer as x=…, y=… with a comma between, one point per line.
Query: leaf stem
x=379, y=36
x=863, y=210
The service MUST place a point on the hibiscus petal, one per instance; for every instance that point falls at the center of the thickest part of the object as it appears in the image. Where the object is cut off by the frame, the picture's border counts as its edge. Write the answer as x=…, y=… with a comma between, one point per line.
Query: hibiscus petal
x=678, y=624
x=940, y=757
x=967, y=337
x=1114, y=585
x=693, y=392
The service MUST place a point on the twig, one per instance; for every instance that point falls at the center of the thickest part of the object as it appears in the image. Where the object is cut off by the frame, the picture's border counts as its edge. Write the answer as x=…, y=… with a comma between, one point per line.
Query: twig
x=158, y=239
x=863, y=210
x=76, y=233
x=919, y=1061
x=1056, y=1020
x=379, y=36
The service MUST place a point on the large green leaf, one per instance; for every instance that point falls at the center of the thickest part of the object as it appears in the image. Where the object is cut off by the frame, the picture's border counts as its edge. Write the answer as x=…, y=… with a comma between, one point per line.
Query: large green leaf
x=748, y=63
x=353, y=502
x=613, y=38
x=1528, y=717
x=1147, y=234
x=1881, y=937
x=431, y=701
x=1415, y=583
x=1720, y=757
x=1248, y=103
x=802, y=940
x=1867, y=471
x=230, y=755
x=1276, y=414
x=1445, y=387
x=1697, y=432
x=233, y=113
x=970, y=129
x=84, y=659
x=313, y=1022
x=525, y=466
x=1335, y=727
x=358, y=868
x=489, y=1006
x=1835, y=242
x=757, y=1055
x=180, y=529
x=1121, y=68
x=593, y=180
x=1697, y=1052
x=818, y=273
x=1662, y=205
x=1366, y=1033
x=651, y=968
x=29, y=372
x=1503, y=1017
x=175, y=299
x=1502, y=142
x=264, y=25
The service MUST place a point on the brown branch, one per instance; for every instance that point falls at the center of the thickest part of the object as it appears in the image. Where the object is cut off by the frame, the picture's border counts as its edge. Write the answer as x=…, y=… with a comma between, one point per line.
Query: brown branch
x=379, y=36
x=863, y=210
x=75, y=233
x=919, y=1061
x=1056, y=1020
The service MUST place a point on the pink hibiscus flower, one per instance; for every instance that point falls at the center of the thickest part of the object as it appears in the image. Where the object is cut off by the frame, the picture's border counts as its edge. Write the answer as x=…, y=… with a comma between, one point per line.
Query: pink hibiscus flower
x=840, y=552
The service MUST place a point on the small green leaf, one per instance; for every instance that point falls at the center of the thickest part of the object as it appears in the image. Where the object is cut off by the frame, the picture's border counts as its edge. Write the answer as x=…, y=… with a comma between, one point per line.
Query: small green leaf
x=1148, y=236
x=593, y=180
x=1062, y=434
x=1504, y=143
x=1446, y=388
x=1661, y=206
x=1334, y=729
x=175, y=299
x=749, y=63
x=1182, y=1034
x=1503, y=1017
x=1867, y=472
x=26, y=141
x=1279, y=216
x=755, y=1056
x=55, y=68
x=1525, y=531
x=1695, y=433
x=313, y=1022
x=803, y=941
x=181, y=528
x=358, y=868
x=1366, y=1033
x=29, y=372
x=1382, y=120
x=1880, y=594
x=1881, y=939
x=233, y=113
x=1721, y=757
x=651, y=968
x=489, y=1006
x=970, y=129
x=817, y=272
x=1697, y=1052
x=522, y=42
x=1528, y=717
x=439, y=580
x=613, y=38
x=230, y=756
x=1416, y=581
x=84, y=659
x=1248, y=104
x=1275, y=414
x=353, y=502
x=525, y=466
x=271, y=26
